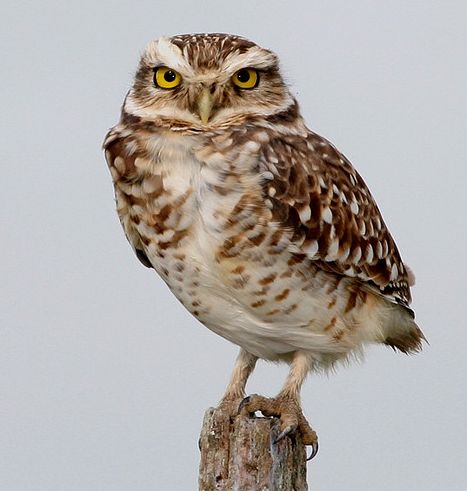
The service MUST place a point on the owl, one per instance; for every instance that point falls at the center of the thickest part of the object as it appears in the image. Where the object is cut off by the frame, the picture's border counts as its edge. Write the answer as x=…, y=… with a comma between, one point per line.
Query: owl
x=261, y=228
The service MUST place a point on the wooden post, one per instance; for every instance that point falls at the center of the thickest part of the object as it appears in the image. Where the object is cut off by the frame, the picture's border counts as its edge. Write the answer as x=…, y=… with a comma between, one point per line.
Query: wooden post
x=239, y=455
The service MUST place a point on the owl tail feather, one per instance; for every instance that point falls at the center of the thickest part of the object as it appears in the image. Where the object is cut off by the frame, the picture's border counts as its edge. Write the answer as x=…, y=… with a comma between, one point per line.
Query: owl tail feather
x=402, y=333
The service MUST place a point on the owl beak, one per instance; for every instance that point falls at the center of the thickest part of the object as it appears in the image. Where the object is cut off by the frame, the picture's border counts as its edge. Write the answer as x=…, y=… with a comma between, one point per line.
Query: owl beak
x=205, y=104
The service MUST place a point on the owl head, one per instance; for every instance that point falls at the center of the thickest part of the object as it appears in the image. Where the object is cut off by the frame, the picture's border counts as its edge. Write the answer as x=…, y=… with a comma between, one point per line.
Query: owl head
x=201, y=82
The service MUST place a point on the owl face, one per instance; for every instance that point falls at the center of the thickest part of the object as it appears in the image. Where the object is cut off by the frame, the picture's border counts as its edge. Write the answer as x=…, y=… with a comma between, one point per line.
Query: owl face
x=206, y=81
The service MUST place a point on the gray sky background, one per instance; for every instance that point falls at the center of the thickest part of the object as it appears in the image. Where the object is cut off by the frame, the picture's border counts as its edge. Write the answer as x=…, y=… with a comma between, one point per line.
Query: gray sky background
x=104, y=378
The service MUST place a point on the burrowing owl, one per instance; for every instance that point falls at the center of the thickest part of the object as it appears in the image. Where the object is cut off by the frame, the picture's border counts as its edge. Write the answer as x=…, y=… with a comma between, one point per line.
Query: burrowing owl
x=260, y=227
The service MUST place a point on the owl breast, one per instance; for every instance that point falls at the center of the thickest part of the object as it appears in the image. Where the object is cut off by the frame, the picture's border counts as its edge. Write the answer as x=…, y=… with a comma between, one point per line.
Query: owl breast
x=198, y=213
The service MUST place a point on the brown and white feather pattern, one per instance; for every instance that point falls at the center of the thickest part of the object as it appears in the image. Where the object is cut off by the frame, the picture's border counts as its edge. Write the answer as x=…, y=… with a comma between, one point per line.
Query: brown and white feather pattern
x=261, y=228
x=317, y=193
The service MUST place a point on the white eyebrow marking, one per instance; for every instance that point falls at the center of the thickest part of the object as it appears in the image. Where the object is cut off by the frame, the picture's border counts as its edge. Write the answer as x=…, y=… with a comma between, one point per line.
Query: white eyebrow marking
x=163, y=51
x=254, y=57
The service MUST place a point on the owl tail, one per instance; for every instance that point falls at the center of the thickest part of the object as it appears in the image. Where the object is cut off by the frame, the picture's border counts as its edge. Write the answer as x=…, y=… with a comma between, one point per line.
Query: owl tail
x=402, y=333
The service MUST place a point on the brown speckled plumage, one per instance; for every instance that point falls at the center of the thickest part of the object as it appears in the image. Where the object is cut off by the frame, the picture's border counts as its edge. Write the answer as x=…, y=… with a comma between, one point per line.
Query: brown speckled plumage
x=260, y=227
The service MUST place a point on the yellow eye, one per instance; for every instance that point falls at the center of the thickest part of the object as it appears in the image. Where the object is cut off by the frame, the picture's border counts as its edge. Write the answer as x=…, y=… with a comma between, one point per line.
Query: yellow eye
x=246, y=78
x=166, y=78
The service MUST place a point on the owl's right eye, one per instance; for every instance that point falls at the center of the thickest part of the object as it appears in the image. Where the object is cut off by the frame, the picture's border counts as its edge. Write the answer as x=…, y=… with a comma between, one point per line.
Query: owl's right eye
x=166, y=78
x=246, y=78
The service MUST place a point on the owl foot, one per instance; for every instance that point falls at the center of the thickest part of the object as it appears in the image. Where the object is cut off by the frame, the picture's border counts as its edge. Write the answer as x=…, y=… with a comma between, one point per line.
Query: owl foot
x=288, y=410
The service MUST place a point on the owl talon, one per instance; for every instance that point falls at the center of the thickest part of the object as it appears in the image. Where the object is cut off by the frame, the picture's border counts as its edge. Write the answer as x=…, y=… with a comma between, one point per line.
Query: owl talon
x=314, y=451
x=244, y=403
x=288, y=410
x=287, y=431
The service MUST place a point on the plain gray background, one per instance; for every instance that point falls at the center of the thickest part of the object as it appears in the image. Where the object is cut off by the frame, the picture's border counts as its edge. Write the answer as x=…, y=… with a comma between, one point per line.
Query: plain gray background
x=104, y=378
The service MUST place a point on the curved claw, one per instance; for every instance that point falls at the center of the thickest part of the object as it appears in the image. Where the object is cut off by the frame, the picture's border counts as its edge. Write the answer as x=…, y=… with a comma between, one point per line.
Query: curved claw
x=244, y=403
x=314, y=451
x=287, y=431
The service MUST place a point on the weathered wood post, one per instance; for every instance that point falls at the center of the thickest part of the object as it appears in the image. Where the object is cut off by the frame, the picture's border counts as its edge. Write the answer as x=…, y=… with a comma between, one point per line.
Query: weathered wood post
x=238, y=455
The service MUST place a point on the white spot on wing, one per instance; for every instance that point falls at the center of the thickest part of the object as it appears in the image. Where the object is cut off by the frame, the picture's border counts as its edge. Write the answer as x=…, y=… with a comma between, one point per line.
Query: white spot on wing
x=332, y=251
x=369, y=254
x=262, y=136
x=141, y=163
x=385, y=248
x=362, y=227
x=272, y=168
x=354, y=208
x=356, y=255
x=252, y=146
x=312, y=248
x=119, y=164
x=379, y=250
x=268, y=175
x=345, y=254
x=327, y=215
x=305, y=214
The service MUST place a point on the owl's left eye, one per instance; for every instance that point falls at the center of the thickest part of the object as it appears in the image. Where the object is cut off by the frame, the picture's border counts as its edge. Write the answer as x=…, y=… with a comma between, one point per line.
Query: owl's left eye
x=166, y=78
x=246, y=78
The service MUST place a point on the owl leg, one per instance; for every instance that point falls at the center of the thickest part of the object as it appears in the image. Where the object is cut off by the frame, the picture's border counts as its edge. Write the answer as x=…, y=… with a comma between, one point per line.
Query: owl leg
x=286, y=405
x=244, y=365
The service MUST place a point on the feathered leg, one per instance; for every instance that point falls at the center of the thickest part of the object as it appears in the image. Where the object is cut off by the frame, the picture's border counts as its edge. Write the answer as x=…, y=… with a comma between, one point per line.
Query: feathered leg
x=244, y=365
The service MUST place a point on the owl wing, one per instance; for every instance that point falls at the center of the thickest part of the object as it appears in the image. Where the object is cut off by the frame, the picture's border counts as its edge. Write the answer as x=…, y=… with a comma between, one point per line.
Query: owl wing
x=317, y=195
x=114, y=146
